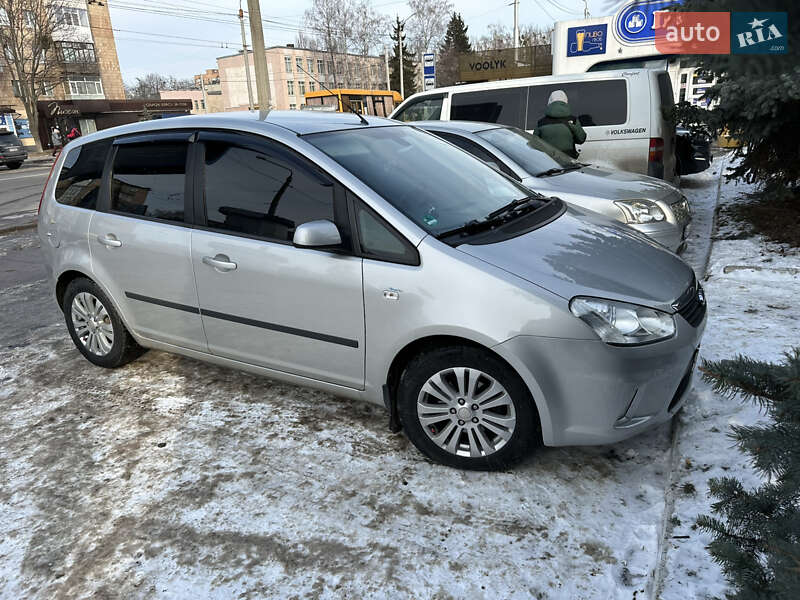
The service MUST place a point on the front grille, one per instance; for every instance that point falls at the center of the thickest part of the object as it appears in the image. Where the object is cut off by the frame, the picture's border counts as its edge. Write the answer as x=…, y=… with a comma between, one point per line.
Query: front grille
x=681, y=211
x=692, y=304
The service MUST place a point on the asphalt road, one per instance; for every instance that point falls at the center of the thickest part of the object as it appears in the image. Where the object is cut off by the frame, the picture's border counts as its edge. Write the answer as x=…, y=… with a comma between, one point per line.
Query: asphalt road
x=21, y=189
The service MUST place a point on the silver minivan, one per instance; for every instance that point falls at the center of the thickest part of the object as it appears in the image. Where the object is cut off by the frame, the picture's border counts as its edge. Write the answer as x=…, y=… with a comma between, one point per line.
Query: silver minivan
x=374, y=261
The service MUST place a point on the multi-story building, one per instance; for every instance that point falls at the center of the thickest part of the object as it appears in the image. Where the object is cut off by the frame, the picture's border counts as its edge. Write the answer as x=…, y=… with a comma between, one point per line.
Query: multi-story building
x=86, y=90
x=210, y=77
x=295, y=71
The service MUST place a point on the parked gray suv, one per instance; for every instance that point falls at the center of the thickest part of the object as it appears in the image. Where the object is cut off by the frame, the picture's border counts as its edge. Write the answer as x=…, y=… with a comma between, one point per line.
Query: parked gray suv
x=375, y=261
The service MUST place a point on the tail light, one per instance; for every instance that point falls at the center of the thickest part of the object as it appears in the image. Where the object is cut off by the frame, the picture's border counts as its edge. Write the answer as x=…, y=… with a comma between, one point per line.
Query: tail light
x=656, y=150
x=44, y=189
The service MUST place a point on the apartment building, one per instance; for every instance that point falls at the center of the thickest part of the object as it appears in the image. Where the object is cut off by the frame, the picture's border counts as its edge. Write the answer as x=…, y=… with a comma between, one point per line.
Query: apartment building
x=295, y=71
x=87, y=93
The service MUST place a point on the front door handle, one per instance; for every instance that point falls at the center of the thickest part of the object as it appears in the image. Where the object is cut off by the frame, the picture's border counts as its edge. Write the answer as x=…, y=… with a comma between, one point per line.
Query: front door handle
x=109, y=240
x=220, y=262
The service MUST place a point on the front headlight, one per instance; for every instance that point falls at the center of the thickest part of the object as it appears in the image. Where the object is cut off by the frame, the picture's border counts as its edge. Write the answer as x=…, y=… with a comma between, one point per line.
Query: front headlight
x=622, y=323
x=641, y=211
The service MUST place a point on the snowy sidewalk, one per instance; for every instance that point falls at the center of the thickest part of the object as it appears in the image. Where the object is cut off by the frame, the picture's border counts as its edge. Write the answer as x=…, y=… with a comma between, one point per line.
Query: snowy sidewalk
x=752, y=288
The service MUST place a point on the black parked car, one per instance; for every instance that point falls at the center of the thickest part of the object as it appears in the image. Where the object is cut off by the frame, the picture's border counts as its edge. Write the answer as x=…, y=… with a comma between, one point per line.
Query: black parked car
x=692, y=151
x=12, y=152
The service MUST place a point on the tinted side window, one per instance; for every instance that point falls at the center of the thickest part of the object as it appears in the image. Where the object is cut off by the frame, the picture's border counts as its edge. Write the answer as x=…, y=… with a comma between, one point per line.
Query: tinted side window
x=505, y=105
x=149, y=180
x=424, y=109
x=265, y=194
x=80, y=178
x=665, y=90
x=592, y=102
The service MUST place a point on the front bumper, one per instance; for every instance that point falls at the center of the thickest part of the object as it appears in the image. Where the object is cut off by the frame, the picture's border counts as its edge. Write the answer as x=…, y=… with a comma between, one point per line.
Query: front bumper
x=670, y=235
x=600, y=394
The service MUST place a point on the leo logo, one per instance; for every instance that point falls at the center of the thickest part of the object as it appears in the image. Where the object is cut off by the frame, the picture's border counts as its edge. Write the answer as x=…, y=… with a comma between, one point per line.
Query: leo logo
x=759, y=33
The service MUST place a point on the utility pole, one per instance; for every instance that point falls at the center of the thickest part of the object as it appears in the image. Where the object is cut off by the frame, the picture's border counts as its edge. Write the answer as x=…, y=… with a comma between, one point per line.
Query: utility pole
x=246, y=60
x=585, y=9
x=205, y=97
x=259, y=55
x=516, y=23
x=400, y=36
x=386, y=60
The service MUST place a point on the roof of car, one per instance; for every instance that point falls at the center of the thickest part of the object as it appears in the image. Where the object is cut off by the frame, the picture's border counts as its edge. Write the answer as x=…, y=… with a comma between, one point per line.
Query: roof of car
x=462, y=126
x=297, y=121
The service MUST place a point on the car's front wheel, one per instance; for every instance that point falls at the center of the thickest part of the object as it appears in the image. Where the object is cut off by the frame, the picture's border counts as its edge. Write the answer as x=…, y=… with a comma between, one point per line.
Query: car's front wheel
x=95, y=326
x=466, y=408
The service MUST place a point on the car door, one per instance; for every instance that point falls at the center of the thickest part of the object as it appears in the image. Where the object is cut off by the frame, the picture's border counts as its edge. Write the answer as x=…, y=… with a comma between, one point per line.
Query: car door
x=140, y=238
x=264, y=301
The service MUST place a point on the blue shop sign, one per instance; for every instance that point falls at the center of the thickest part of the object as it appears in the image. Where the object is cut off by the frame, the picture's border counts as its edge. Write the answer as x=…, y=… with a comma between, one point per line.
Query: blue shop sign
x=635, y=22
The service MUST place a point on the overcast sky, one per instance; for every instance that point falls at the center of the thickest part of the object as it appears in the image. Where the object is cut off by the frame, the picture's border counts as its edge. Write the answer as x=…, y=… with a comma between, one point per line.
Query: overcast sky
x=143, y=45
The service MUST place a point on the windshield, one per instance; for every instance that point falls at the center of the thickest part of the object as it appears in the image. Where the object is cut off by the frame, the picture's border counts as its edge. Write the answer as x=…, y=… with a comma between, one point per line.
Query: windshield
x=432, y=182
x=529, y=151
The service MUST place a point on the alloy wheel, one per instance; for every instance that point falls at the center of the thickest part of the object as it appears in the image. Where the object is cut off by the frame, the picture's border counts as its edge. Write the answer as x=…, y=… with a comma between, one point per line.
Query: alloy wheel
x=92, y=324
x=466, y=412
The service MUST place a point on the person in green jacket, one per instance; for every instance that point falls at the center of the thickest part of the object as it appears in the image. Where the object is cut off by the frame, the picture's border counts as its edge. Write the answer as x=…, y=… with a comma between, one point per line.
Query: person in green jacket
x=559, y=127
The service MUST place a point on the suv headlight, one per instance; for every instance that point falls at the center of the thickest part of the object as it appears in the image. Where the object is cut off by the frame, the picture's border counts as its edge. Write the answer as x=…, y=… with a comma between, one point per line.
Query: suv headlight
x=641, y=211
x=622, y=323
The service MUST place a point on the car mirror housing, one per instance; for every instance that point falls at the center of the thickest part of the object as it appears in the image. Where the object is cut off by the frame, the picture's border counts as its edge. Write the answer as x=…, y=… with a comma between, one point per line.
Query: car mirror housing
x=317, y=234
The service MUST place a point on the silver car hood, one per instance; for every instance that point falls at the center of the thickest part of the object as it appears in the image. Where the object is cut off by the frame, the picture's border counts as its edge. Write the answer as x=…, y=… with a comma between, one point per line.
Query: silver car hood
x=583, y=253
x=600, y=183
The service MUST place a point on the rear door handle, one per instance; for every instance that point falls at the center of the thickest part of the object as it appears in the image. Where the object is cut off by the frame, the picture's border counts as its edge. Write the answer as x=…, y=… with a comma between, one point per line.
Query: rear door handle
x=220, y=262
x=109, y=240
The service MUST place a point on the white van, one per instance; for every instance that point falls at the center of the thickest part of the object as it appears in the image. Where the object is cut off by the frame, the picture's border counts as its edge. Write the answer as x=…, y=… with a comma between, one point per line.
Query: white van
x=624, y=113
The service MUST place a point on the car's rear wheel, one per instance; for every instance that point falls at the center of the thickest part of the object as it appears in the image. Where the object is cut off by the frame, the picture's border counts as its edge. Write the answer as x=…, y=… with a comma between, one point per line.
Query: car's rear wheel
x=14, y=165
x=95, y=327
x=466, y=408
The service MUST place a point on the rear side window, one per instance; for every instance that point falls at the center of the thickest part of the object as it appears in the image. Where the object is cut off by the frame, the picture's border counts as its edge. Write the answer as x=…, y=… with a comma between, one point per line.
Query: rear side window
x=593, y=103
x=149, y=180
x=81, y=175
x=504, y=105
x=265, y=194
x=428, y=108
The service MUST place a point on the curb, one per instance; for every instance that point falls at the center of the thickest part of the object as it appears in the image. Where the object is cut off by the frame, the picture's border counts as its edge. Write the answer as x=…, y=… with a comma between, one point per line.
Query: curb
x=22, y=224
x=656, y=584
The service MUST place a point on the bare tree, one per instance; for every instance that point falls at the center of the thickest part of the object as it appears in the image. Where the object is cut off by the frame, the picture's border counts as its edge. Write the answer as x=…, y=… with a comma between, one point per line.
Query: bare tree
x=342, y=27
x=28, y=30
x=499, y=37
x=151, y=84
x=428, y=24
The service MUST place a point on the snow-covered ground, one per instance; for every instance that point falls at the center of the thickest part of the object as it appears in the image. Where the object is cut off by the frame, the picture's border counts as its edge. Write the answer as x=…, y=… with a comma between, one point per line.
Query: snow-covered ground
x=752, y=288
x=176, y=479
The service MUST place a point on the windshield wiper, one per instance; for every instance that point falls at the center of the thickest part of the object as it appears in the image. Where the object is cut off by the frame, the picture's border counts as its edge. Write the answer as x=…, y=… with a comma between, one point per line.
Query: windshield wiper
x=558, y=170
x=513, y=206
x=497, y=217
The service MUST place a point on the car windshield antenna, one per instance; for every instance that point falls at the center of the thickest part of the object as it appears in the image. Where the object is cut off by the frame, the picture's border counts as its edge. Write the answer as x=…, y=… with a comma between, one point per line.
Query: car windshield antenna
x=327, y=89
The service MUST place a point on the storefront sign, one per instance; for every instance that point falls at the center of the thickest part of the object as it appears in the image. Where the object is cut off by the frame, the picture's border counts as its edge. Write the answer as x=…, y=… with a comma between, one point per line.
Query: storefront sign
x=635, y=23
x=508, y=63
x=589, y=39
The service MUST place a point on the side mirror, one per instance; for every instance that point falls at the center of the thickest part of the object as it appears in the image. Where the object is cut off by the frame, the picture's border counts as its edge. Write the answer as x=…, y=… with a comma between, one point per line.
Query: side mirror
x=317, y=234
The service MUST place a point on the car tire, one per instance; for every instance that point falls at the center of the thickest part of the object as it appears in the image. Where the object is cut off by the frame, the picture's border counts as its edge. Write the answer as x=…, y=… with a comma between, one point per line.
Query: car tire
x=14, y=165
x=95, y=326
x=439, y=387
